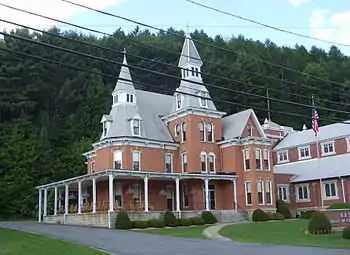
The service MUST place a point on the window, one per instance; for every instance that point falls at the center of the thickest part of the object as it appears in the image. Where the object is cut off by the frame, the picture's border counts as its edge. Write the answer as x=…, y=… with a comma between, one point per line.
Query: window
x=210, y=132
x=184, y=72
x=177, y=130
x=330, y=190
x=184, y=162
x=192, y=68
x=196, y=72
x=137, y=193
x=211, y=162
x=187, y=72
x=136, y=160
x=246, y=160
x=304, y=152
x=302, y=192
x=117, y=158
x=282, y=156
x=168, y=162
x=183, y=130
x=283, y=192
x=178, y=101
x=348, y=143
x=92, y=166
x=260, y=192
x=203, y=162
x=249, y=130
x=203, y=99
x=131, y=98
x=136, y=126
x=115, y=99
x=201, y=131
x=104, y=126
x=185, y=200
x=258, y=159
x=248, y=193
x=266, y=159
x=127, y=97
x=328, y=148
x=268, y=191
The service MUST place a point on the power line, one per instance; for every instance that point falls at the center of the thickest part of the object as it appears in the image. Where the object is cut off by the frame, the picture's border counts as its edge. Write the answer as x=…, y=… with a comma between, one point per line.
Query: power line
x=163, y=63
x=205, y=43
x=265, y=25
x=163, y=89
x=163, y=74
x=170, y=51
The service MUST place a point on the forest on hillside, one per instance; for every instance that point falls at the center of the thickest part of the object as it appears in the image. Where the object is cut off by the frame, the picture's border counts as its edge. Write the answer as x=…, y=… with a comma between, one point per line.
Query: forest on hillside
x=50, y=114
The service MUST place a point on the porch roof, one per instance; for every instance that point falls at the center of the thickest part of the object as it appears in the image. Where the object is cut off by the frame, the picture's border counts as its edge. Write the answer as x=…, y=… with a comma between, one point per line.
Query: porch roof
x=133, y=173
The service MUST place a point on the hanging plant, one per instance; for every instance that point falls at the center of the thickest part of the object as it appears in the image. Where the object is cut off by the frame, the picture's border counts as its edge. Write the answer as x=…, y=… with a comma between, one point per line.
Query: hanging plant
x=130, y=191
x=162, y=192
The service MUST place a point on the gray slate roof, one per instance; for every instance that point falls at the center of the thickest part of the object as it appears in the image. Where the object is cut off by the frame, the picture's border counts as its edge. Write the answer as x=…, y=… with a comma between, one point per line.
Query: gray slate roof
x=233, y=125
x=189, y=53
x=308, y=170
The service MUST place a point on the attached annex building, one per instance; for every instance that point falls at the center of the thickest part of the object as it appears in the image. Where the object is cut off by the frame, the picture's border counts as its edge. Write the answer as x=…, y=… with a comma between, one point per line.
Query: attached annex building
x=159, y=152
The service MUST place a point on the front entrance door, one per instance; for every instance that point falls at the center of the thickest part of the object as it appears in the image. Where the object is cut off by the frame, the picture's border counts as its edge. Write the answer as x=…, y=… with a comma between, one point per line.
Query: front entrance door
x=170, y=198
x=118, y=194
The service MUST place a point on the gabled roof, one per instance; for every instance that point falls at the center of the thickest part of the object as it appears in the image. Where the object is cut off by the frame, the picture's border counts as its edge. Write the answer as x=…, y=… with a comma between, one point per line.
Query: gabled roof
x=307, y=136
x=189, y=53
x=308, y=170
x=233, y=125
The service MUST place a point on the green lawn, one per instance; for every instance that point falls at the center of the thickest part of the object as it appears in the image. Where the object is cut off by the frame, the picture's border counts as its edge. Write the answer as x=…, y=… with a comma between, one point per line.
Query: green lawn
x=18, y=242
x=290, y=232
x=190, y=232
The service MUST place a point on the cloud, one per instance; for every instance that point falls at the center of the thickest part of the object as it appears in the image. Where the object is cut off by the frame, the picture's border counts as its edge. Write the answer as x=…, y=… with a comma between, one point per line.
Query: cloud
x=52, y=8
x=296, y=3
x=330, y=26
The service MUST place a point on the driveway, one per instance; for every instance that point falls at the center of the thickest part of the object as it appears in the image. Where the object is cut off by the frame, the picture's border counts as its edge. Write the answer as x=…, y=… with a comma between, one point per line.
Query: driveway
x=134, y=243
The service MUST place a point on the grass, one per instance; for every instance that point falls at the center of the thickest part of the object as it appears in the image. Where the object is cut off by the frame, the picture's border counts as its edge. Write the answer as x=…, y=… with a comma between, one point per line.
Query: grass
x=190, y=232
x=18, y=242
x=289, y=232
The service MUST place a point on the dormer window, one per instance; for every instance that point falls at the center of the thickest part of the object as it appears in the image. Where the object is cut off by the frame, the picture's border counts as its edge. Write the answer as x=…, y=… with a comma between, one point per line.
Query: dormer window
x=249, y=130
x=136, y=126
x=178, y=101
x=131, y=98
x=104, y=126
x=115, y=99
x=203, y=100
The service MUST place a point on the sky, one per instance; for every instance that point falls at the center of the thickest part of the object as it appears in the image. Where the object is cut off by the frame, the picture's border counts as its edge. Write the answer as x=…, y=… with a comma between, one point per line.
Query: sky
x=323, y=19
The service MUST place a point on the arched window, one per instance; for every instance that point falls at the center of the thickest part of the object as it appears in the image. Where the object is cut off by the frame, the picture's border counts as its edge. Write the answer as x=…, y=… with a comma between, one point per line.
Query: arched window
x=211, y=162
x=183, y=131
x=136, y=127
x=201, y=131
x=249, y=130
x=177, y=130
x=210, y=132
x=204, y=162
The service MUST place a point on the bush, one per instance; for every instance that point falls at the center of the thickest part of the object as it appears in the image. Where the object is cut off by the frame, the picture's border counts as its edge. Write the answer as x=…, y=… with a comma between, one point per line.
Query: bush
x=197, y=221
x=170, y=219
x=346, y=232
x=283, y=209
x=306, y=214
x=319, y=224
x=123, y=221
x=339, y=206
x=278, y=216
x=270, y=216
x=140, y=224
x=184, y=222
x=208, y=217
x=156, y=223
x=259, y=215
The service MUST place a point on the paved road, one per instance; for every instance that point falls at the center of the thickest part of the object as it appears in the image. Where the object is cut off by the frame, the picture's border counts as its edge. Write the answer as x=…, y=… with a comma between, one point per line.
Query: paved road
x=131, y=243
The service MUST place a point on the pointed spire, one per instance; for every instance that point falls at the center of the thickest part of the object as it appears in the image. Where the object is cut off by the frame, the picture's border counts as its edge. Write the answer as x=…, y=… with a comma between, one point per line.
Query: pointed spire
x=304, y=127
x=124, y=82
x=266, y=121
x=189, y=54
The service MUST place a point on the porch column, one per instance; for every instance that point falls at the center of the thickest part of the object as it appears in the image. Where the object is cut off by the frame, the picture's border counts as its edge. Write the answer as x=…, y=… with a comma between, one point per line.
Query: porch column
x=93, y=195
x=110, y=186
x=235, y=206
x=79, y=197
x=55, y=203
x=206, y=186
x=66, y=200
x=177, y=186
x=45, y=202
x=343, y=189
x=145, y=182
x=39, y=206
x=59, y=199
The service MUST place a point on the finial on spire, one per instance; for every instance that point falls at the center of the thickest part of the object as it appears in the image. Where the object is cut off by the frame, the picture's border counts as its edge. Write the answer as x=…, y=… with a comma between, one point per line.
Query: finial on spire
x=188, y=29
x=304, y=127
x=124, y=52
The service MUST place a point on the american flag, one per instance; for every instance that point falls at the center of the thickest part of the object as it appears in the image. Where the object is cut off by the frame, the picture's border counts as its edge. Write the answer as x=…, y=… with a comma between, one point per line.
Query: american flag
x=315, y=118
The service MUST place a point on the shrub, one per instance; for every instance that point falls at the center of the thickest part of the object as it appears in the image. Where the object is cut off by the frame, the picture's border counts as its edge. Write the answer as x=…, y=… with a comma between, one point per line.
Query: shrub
x=306, y=214
x=278, y=216
x=339, y=206
x=346, y=232
x=283, y=209
x=259, y=215
x=319, y=224
x=270, y=216
x=140, y=224
x=184, y=222
x=170, y=219
x=156, y=223
x=208, y=217
x=197, y=221
x=123, y=221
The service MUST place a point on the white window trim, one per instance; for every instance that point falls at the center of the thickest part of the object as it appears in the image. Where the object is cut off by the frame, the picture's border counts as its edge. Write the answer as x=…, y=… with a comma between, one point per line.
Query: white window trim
x=286, y=186
x=270, y=186
x=204, y=131
x=177, y=125
x=212, y=154
x=203, y=153
x=132, y=126
x=262, y=191
x=324, y=183
x=244, y=159
x=92, y=163
x=278, y=156
x=348, y=143
x=171, y=162
x=299, y=152
x=261, y=161
x=200, y=99
x=297, y=193
x=104, y=126
x=139, y=152
x=328, y=153
x=181, y=130
x=182, y=162
x=212, y=132
x=246, y=193
x=121, y=158
x=268, y=160
x=183, y=195
x=181, y=101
